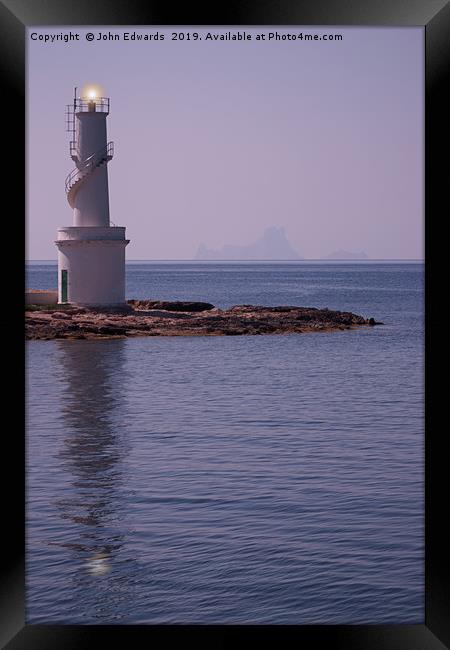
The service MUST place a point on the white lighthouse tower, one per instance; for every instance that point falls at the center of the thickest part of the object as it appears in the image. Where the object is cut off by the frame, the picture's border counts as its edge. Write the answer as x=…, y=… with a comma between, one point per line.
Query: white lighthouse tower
x=91, y=252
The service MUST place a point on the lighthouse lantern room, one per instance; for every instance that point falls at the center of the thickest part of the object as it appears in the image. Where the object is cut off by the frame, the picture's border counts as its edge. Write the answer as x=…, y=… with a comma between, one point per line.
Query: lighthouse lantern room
x=91, y=252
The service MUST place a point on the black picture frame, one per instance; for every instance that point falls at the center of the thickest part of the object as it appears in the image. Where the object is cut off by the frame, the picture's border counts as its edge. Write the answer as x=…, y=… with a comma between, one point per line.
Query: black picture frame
x=15, y=17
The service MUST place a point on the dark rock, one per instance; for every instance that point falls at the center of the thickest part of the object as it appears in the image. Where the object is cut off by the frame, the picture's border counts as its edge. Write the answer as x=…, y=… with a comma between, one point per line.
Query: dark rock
x=61, y=315
x=118, y=309
x=108, y=329
x=178, y=305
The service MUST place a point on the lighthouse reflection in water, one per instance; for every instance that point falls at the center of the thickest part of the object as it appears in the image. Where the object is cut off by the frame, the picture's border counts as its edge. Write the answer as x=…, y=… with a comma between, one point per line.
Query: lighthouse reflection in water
x=88, y=507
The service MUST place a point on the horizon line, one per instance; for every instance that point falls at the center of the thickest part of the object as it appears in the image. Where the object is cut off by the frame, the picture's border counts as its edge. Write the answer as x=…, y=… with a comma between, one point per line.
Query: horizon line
x=305, y=259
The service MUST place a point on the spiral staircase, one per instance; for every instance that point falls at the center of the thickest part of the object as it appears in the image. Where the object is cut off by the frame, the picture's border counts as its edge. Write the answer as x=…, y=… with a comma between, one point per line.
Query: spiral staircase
x=84, y=169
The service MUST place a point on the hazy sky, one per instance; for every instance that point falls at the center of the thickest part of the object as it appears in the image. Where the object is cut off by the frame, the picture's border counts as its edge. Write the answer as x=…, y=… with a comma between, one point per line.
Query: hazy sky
x=217, y=140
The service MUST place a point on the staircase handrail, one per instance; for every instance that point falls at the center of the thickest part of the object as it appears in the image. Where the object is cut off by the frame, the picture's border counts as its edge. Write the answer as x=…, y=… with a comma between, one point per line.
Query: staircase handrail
x=92, y=161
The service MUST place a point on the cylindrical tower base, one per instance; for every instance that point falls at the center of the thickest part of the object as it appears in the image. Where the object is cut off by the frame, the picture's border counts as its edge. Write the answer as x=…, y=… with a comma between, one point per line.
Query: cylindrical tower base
x=91, y=266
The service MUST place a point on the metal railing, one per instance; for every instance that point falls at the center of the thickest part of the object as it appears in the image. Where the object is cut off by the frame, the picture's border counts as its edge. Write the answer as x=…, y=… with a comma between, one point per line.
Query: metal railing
x=87, y=166
x=79, y=105
x=73, y=149
x=97, y=104
x=70, y=118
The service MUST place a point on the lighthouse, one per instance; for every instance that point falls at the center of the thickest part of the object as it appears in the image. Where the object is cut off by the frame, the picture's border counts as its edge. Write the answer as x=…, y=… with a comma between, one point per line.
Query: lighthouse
x=91, y=252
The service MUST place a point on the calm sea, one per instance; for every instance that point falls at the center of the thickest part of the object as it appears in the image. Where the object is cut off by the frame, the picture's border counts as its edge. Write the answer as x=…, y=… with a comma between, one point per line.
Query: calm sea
x=248, y=479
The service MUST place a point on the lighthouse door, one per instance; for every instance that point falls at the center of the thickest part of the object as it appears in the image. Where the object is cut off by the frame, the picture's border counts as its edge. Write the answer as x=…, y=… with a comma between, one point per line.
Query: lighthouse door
x=63, y=286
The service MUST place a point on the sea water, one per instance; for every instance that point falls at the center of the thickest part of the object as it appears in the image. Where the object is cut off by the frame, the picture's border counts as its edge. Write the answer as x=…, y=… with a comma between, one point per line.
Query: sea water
x=271, y=479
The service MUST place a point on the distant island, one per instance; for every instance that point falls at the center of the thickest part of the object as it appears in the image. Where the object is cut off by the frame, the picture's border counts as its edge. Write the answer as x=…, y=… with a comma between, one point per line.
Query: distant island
x=345, y=255
x=272, y=245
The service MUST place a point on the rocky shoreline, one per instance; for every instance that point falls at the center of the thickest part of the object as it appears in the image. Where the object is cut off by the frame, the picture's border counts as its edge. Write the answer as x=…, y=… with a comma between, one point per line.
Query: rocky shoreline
x=159, y=318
